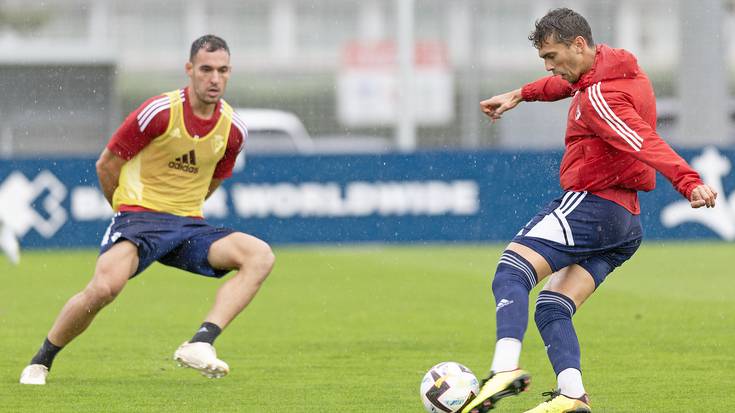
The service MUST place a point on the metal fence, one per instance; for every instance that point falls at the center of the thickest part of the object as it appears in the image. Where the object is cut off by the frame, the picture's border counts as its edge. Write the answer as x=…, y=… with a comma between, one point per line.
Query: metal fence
x=332, y=63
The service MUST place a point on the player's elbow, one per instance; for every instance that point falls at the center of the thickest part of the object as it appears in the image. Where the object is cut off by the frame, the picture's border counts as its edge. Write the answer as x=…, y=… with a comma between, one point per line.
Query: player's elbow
x=102, y=166
x=109, y=164
x=99, y=167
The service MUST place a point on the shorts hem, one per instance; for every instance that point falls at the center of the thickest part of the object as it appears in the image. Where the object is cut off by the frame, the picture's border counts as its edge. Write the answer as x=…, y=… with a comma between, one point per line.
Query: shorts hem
x=533, y=244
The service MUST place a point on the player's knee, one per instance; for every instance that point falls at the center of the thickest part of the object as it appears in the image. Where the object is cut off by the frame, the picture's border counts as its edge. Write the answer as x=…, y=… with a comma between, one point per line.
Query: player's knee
x=513, y=270
x=105, y=286
x=100, y=294
x=552, y=306
x=256, y=255
x=266, y=259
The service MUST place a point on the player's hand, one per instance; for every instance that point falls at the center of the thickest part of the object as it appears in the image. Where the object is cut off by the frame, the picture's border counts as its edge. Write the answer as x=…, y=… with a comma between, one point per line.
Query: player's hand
x=703, y=195
x=496, y=105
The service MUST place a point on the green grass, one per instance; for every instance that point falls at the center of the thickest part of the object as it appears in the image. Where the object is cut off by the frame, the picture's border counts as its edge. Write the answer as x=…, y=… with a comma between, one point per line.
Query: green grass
x=354, y=330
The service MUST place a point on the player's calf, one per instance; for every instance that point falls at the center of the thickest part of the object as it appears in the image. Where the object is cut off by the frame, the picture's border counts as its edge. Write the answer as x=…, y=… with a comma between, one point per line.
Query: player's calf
x=514, y=279
x=553, y=317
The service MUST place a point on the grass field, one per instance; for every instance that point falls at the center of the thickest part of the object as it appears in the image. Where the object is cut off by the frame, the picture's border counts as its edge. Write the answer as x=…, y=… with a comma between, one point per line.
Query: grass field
x=353, y=329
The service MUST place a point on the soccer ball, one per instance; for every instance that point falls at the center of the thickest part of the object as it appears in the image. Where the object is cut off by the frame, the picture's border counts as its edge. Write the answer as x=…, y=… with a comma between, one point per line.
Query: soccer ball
x=447, y=387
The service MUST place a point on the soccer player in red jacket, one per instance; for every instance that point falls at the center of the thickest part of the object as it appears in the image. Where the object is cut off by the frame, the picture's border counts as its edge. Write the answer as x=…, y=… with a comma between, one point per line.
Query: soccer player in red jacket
x=612, y=152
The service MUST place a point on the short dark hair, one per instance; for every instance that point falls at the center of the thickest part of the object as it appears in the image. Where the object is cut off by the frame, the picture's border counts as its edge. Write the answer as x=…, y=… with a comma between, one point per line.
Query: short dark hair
x=562, y=25
x=210, y=43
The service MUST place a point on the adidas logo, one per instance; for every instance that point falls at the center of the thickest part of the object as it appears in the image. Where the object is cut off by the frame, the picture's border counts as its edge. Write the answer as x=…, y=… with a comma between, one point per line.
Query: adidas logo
x=503, y=302
x=186, y=162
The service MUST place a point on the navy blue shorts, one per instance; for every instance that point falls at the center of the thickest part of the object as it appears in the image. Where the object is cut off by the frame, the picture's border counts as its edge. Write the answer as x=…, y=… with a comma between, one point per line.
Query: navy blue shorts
x=581, y=228
x=180, y=242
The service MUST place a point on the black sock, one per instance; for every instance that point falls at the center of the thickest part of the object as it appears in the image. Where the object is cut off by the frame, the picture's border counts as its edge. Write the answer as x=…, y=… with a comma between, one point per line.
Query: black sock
x=46, y=354
x=207, y=333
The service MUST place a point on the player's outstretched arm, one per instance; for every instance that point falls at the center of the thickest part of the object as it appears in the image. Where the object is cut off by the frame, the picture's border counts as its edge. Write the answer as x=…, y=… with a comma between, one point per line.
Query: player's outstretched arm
x=497, y=105
x=703, y=195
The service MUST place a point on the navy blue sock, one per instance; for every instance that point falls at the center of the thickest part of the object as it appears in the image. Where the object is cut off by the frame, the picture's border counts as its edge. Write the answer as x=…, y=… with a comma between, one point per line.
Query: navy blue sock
x=46, y=354
x=553, y=316
x=514, y=280
x=207, y=333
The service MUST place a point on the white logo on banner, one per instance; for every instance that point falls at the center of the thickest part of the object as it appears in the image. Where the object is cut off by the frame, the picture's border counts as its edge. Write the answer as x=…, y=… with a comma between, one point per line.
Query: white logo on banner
x=713, y=166
x=216, y=205
x=357, y=199
x=22, y=200
x=37, y=203
x=89, y=204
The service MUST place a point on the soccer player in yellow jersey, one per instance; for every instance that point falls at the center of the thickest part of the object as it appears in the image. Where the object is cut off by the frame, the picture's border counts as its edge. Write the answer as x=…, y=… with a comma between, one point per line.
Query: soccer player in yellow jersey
x=156, y=171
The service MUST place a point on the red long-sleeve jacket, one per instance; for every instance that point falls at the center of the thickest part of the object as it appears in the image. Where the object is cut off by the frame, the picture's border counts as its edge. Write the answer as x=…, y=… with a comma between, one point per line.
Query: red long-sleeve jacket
x=612, y=148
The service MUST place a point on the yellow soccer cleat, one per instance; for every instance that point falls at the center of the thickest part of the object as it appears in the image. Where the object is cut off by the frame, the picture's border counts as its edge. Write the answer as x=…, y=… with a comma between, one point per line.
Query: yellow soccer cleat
x=559, y=403
x=496, y=387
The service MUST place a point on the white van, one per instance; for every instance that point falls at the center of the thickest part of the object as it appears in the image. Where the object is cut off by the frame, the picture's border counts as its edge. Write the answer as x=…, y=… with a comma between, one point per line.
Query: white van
x=276, y=131
x=273, y=131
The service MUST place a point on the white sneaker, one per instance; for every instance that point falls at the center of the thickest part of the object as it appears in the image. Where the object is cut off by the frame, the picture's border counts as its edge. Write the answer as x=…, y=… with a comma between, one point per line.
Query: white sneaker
x=34, y=374
x=9, y=243
x=201, y=356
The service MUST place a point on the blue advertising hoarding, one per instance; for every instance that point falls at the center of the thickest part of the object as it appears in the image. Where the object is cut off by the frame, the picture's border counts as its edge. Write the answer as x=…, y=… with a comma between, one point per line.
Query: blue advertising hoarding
x=426, y=196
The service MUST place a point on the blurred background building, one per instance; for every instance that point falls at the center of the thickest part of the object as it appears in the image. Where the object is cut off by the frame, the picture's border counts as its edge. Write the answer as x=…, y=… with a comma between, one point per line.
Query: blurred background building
x=72, y=69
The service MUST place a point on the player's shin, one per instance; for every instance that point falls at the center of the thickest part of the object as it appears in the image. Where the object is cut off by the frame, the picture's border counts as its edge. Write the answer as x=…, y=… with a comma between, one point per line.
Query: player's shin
x=514, y=280
x=553, y=316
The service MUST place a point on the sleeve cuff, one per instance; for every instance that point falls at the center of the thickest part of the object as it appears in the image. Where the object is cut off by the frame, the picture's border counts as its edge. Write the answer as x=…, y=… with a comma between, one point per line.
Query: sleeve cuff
x=527, y=93
x=119, y=151
x=688, y=192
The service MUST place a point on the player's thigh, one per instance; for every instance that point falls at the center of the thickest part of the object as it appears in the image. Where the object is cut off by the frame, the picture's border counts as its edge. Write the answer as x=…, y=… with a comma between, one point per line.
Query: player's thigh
x=238, y=249
x=115, y=266
x=574, y=282
x=539, y=263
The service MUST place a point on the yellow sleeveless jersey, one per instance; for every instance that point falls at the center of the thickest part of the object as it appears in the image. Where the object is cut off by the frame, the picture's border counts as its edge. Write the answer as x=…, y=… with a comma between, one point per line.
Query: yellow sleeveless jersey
x=172, y=173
